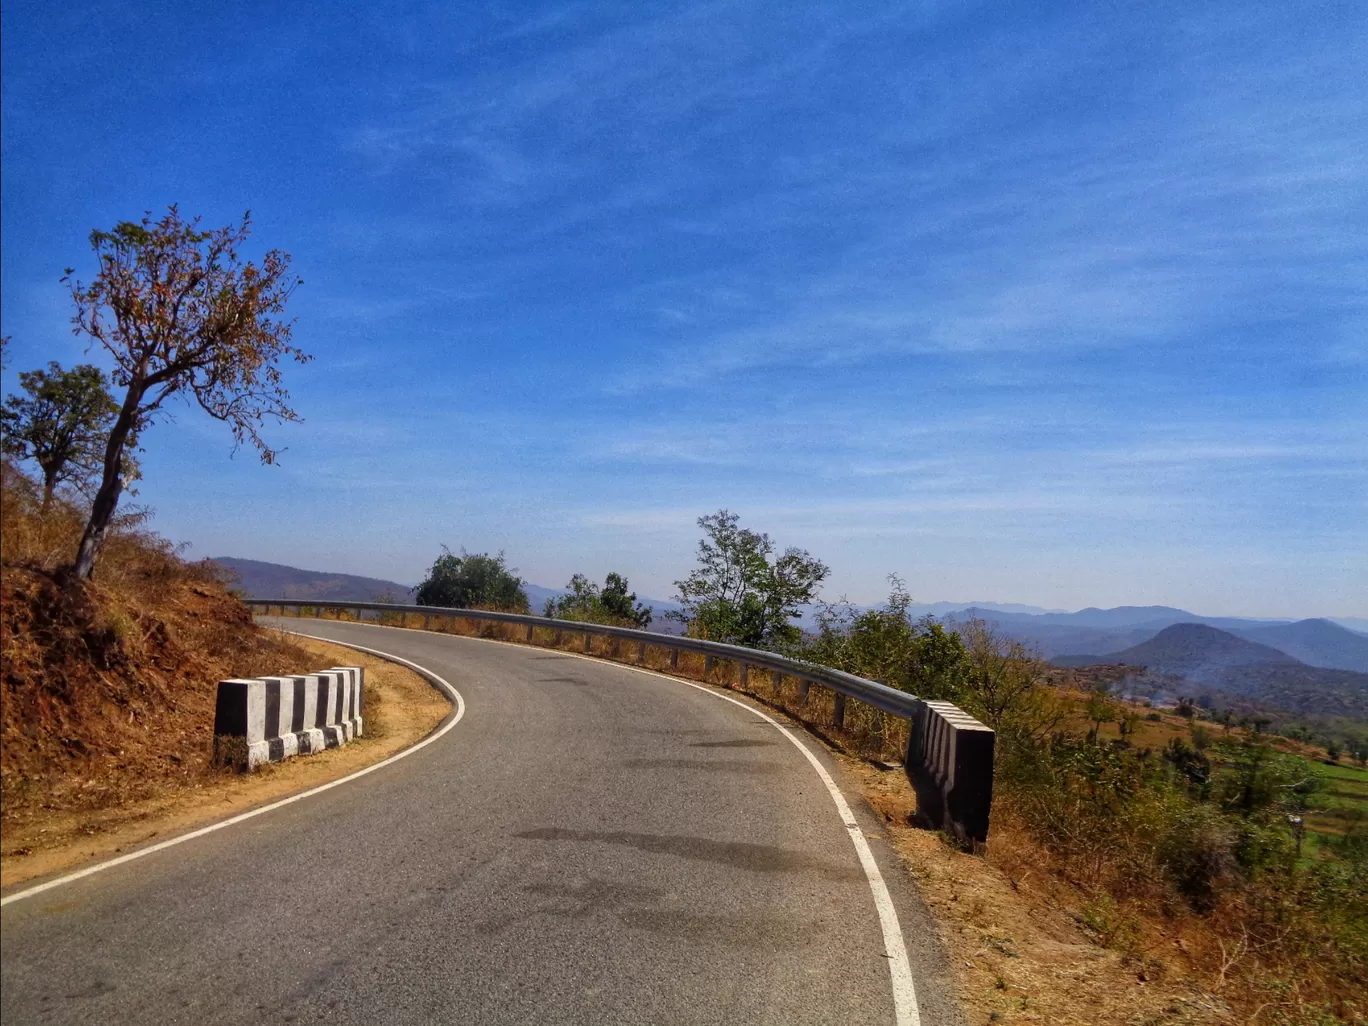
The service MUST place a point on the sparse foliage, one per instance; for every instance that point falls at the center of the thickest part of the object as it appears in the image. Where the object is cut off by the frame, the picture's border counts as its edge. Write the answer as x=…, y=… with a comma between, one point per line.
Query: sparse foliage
x=738, y=593
x=611, y=604
x=1100, y=709
x=182, y=314
x=887, y=644
x=1006, y=687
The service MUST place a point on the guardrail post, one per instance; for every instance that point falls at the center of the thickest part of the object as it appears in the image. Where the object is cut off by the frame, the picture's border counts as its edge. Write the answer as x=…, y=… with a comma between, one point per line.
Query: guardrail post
x=707, y=667
x=745, y=675
x=641, y=651
x=674, y=658
x=950, y=763
x=588, y=642
x=838, y=713
x=803, y=687
x=427, y=617
x=529, y=633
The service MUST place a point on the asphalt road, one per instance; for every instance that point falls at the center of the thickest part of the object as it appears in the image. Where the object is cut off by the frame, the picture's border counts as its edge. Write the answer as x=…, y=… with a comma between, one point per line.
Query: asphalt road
x=589, y=845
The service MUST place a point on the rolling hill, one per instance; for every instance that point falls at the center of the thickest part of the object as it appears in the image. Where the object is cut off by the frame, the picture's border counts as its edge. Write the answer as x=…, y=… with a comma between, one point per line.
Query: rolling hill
x=1318, y=642
x=1111, y=632
x=1193, y=651
x=259, y=579
x=1195, y=657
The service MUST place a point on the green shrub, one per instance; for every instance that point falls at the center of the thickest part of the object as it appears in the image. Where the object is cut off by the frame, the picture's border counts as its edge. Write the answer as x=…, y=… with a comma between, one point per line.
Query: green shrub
x=468, y=581
x=612, y=604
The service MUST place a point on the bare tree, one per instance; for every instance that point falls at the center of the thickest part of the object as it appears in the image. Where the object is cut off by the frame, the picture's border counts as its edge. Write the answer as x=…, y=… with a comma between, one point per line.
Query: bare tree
x=183, y=314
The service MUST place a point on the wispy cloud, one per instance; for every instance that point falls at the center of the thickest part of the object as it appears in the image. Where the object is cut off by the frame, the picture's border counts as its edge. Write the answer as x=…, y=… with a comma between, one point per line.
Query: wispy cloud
x=1064, y=304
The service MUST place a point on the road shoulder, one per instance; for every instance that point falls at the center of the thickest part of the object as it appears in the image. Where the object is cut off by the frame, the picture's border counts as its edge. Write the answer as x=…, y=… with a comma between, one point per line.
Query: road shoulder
x=402, y=709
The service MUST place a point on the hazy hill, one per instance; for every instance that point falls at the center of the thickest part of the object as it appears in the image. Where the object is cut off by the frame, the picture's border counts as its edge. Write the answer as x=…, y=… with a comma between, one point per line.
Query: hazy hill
x=1198, y=658
x=1111, y=619
x=1010, y=608
x=1322, y=643
x=1193, y=651
x=1058, y=640
x=1309, y=690
x=259, y=579
x=1318, y=642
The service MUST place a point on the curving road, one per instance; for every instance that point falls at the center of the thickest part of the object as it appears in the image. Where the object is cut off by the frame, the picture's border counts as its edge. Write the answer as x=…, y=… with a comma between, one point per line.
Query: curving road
x=589, y=845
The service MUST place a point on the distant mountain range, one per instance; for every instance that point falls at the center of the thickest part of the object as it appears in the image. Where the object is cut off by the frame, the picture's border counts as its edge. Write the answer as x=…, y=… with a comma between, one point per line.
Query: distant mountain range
x=1194, y=651
x=1196, y=657
x=1107, y=632
x=257, y=579
x=1317, y=642
x=1306, y=665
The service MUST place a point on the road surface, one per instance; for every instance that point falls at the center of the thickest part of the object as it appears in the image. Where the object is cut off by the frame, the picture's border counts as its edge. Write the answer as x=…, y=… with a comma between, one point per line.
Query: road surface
x=588, y=845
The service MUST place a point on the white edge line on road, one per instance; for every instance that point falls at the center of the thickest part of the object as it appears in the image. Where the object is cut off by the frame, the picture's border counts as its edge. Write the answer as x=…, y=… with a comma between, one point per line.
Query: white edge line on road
x=899, y=968
x=100, y=867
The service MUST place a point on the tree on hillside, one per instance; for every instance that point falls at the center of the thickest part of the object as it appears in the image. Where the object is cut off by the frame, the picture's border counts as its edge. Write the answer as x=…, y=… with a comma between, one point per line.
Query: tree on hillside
x=184, y=315
x=61, y=422
x=467, y=581
x=1099, y=708
x=739, y=594
x=611, y=604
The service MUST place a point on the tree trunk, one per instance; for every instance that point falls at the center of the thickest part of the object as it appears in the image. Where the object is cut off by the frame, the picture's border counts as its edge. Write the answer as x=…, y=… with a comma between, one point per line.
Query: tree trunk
x=49, y=486
x=111, y=487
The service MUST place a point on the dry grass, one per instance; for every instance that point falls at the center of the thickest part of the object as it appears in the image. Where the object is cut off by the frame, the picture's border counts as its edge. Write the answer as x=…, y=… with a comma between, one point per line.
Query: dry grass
x=109, y=686
x=401, y=709
x=1079, y=936
x=1026, y=947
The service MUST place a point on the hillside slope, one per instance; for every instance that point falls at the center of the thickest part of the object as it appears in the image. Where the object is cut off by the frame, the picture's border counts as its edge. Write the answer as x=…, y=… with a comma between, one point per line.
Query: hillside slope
x=109, y=686
x=1309, y=690
x=1316, y=642
x=258, y=579
x=1198, y=658
x=1190, y=650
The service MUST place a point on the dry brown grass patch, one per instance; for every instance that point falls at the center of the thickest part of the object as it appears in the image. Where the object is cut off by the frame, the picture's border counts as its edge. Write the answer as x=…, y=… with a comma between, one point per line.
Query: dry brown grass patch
x=401, y=708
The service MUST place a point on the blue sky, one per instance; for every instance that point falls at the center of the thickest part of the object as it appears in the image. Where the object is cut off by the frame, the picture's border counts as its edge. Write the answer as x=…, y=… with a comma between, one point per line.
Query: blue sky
x=1064, y=304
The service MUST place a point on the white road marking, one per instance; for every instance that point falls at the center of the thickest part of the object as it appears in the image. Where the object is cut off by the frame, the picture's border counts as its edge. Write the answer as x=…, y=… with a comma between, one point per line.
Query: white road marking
x=100, y=867
x=899, y=968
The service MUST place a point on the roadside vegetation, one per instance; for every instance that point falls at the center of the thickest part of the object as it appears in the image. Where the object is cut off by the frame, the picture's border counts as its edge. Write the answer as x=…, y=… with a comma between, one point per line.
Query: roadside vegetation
x=109, y=687
x=1177, y=840
x=741, y=592
x=1160, y=831
x=611, y=604
x=1250, y=852
x=479, y=581
x=111, y=643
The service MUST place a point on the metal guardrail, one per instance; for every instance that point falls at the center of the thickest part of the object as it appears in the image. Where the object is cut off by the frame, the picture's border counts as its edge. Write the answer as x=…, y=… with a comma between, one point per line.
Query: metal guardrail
x=880, y=696
x=956, y=777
